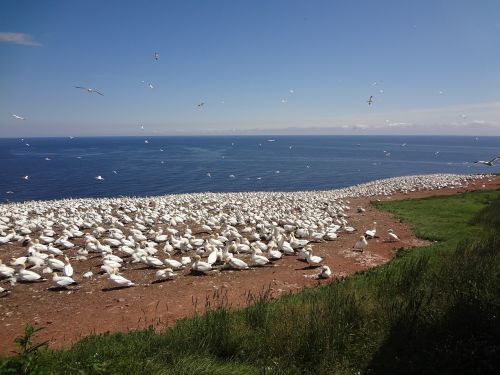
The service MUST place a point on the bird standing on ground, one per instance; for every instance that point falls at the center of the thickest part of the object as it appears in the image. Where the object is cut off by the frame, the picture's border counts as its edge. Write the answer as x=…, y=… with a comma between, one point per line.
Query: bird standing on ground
x=371, y=233
x=360, y=244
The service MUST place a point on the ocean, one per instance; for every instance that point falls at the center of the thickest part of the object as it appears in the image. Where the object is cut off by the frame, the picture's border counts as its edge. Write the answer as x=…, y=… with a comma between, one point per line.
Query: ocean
x=66, y=168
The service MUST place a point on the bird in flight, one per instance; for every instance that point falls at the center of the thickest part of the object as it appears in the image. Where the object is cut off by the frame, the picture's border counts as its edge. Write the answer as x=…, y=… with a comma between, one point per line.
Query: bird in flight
x=489, y=163
x=370, y=100
x=89, y=90
x=99, y=177
x=156, y=56
x=200, y=105
x=17, y=117
x=26, y=178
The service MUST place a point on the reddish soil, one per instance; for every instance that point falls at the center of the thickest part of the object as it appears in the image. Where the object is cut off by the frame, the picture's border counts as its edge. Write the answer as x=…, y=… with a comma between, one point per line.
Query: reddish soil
x=94, y=307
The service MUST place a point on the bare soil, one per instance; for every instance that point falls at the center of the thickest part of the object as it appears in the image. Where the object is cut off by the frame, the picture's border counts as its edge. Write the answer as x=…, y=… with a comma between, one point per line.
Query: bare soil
x=95, y=307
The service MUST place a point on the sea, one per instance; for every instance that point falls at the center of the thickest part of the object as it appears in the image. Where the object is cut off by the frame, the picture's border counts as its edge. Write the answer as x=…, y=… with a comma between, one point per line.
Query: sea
x=148, y=166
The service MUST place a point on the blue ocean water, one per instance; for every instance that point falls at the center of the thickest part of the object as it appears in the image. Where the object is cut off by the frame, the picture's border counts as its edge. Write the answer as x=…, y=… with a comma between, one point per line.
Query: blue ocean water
x=181, y=164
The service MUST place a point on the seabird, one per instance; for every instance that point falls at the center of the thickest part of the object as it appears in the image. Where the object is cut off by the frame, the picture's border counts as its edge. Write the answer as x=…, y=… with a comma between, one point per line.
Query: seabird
x=89, y=90
x=370, y=100
x=489, y=163
x=17, y=117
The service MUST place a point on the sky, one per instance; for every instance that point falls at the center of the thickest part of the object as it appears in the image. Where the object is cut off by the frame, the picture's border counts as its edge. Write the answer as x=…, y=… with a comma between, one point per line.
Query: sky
x=259, y=67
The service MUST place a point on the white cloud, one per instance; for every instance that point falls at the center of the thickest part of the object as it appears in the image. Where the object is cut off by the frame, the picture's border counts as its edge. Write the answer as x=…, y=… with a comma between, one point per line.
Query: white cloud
x=18, y=38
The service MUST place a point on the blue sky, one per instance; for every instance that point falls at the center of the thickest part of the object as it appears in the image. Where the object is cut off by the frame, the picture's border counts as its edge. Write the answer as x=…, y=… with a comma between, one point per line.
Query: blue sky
x=431, y=66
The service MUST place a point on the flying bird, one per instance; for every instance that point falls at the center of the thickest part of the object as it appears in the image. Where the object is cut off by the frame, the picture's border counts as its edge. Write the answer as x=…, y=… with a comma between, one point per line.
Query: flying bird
x=200, y=105
x=156, y=56
x=370, y=100
x=26, y=178
x=89, y=90
x=489, y=163
x=17, y=117
x=100, y=178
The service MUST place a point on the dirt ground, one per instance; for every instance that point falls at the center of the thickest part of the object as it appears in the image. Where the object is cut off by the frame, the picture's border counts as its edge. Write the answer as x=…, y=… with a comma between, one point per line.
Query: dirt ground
x=94, y=307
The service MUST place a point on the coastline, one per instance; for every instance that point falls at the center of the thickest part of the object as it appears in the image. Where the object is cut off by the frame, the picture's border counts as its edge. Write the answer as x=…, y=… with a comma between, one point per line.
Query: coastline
x=66, y=318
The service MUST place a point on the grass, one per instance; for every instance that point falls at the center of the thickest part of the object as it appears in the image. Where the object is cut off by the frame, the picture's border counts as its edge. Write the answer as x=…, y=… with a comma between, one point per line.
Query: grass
x=431, y=310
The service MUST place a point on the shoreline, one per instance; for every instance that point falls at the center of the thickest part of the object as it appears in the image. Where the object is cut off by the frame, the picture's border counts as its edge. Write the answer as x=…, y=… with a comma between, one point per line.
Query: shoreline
x=445, y=180
x=69, y=315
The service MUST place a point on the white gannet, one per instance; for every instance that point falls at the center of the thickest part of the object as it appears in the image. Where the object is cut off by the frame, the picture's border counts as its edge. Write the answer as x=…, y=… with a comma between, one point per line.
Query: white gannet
x=55, y=263
x=258, y=260
x=172, y=263
x=371, y=233
x=166, y=274
x=489, y=163
x=360, y=244
x=313, y=260
x=392, y=236
x=68, y=268
x=200, y=266
x=236, y=263
x=62, y=281
x=325, y=273
x=25, y=275
x=119, y=280
x=89, y=90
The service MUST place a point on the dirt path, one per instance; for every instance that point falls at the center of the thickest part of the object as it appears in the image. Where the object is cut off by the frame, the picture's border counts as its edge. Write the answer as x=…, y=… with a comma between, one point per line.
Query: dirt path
x=94, y=308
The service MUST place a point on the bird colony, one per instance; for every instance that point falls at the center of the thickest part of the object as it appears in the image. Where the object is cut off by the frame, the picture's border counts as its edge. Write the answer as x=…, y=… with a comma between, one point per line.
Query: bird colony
x=172, y=235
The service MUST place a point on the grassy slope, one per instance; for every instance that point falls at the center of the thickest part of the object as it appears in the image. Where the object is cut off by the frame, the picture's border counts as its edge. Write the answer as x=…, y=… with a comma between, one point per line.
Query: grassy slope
x=430, y=310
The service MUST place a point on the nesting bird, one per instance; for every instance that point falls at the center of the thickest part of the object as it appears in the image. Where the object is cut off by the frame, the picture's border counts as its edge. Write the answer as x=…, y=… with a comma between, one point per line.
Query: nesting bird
x=392, y=236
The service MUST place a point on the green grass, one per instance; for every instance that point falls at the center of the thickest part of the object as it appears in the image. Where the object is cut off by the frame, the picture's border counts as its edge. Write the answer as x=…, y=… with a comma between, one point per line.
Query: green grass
x=431, y=310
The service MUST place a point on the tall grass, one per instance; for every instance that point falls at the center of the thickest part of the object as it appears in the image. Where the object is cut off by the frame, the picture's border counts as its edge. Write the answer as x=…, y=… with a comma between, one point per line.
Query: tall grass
x=430, y=310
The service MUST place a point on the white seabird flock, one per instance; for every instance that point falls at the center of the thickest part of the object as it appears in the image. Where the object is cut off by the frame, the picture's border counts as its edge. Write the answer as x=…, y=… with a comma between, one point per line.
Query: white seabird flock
x=166, y=233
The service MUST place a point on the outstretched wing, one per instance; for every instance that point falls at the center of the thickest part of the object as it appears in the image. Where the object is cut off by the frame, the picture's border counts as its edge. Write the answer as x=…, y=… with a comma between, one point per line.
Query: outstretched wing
x=495, y=158
x=80, y=87
x=97, y=92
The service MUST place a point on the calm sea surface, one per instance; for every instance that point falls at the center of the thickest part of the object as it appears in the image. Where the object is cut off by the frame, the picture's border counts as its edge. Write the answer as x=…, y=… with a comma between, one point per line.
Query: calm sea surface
x=181, y=164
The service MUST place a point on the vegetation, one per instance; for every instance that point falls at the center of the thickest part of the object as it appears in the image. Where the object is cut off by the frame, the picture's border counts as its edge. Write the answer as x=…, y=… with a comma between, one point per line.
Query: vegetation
x=433, y=309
